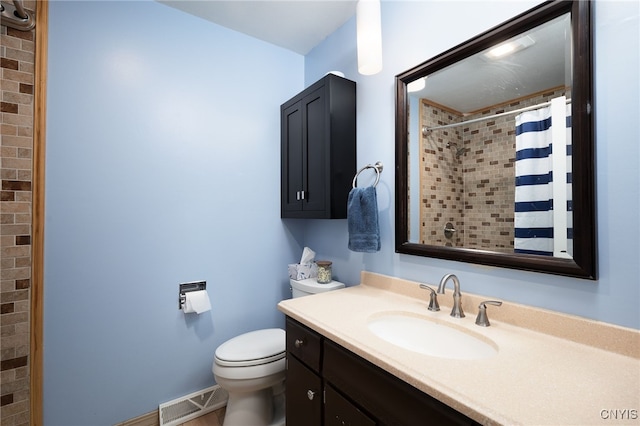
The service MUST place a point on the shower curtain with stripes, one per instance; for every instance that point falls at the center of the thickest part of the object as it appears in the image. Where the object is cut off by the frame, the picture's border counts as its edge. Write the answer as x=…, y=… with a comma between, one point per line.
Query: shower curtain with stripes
x=540, y=227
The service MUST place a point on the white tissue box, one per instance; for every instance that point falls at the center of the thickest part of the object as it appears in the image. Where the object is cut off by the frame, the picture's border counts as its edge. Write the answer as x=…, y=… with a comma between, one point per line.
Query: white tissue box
x=299, y=271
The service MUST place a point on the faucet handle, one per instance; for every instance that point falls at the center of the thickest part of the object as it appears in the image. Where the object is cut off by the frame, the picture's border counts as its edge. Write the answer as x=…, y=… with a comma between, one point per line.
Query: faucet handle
x=433, y=298
x=482, y=319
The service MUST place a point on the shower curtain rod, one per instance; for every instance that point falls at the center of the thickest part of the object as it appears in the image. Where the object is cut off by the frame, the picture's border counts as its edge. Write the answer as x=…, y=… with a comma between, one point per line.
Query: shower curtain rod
x=426, y=130
x=15, y=16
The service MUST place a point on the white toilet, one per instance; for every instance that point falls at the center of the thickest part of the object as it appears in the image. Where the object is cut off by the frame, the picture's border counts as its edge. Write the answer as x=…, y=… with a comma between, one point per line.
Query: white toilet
x=251, y=368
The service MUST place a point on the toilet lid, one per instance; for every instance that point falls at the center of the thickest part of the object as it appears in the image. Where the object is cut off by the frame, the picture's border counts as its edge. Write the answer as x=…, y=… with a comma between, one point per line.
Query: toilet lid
x=254, y=347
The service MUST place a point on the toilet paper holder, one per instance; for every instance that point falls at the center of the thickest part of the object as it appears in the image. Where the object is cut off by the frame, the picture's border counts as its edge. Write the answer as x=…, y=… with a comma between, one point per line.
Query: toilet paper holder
x=186, y=288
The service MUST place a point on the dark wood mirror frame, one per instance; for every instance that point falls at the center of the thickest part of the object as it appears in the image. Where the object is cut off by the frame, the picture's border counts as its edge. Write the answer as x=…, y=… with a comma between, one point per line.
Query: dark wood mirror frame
x=583, y=264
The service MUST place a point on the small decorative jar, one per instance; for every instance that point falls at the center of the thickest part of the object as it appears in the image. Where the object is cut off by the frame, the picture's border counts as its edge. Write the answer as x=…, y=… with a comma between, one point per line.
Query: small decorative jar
x=324, y=271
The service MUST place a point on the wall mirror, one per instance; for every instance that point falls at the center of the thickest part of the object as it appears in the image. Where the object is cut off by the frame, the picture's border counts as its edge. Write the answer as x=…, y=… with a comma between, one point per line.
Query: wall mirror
x=495, y=147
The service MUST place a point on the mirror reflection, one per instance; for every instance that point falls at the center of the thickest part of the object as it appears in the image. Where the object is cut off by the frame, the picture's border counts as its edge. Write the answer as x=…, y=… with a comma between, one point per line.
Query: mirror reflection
x=494, y=147
x=483, y=147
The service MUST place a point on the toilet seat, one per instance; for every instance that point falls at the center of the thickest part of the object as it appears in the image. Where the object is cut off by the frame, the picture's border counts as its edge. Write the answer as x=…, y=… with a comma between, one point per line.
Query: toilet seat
x=252, y=348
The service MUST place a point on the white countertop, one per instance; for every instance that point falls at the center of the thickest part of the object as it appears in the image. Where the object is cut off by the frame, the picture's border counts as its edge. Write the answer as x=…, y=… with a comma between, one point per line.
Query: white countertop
x=551, y=368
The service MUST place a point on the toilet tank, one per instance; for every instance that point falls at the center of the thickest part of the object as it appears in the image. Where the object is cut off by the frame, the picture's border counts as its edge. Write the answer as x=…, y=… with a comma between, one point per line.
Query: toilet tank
x=311, y=286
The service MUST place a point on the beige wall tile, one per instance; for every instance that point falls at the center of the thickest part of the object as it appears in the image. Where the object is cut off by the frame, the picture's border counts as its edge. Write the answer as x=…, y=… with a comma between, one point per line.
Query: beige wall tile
x=16, y=151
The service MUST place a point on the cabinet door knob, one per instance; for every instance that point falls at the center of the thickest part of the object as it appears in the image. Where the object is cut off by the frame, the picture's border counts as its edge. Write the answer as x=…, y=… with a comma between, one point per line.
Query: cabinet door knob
x=342, y=422
x=299, y=343
x=310, y=395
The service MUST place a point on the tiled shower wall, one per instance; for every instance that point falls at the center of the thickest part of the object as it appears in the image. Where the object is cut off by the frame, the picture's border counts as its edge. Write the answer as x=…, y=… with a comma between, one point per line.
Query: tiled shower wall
x=441, y=178
x=468, y=176
x=16, y=147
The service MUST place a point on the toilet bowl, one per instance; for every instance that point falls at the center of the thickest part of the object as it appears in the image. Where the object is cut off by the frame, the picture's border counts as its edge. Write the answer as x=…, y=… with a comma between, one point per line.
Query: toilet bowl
x=251, y=368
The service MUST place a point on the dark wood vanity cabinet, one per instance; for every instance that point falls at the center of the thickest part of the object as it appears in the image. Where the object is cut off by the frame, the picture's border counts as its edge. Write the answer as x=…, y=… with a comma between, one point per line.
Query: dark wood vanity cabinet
x=304, y=395
x=329, y=385
x=339, y=411
x=303, y=383
x=318, y=142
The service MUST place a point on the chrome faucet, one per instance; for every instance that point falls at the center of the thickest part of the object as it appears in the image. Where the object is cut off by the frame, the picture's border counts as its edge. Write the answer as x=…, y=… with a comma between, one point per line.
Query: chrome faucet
x=456, y=311
x=482, y=319
x=433, y=298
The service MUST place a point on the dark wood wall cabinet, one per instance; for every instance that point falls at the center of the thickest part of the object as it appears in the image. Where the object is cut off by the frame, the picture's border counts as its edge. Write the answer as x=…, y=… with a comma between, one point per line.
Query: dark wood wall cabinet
x=318, y=138
x=330, y=385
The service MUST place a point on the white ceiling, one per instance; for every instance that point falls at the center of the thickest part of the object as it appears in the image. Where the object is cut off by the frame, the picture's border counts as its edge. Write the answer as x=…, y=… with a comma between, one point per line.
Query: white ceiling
x=300, y=25
x=296, y=25
x=477, y=82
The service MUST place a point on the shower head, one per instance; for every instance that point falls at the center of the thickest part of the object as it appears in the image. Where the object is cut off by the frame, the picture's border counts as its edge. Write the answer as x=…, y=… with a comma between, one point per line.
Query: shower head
x=459, y=151
x=15, y=16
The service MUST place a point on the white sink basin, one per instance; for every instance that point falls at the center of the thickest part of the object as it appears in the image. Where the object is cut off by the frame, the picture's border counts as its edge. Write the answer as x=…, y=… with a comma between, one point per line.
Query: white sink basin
x=429, y=337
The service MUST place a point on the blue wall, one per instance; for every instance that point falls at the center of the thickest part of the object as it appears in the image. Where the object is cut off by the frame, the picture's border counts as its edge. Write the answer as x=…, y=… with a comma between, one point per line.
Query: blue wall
x=415, y=31
x=163, y=167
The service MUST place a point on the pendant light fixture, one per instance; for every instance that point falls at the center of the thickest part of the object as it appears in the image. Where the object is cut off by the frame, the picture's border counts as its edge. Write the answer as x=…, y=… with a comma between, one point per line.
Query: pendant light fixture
x=369, y=37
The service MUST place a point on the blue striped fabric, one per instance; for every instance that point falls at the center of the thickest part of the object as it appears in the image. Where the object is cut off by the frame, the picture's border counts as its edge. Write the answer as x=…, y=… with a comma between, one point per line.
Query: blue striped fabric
x=569, y=183
x=533, y=221
x=533, y=153
x=538, y=252
x=534, y=206
x=533, y=210
x=534, y=126
x=534, y=179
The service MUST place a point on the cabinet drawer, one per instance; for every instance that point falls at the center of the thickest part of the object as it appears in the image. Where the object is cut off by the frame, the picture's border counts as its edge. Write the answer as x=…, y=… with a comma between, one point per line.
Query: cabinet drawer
x=338, y=411
x=304, y=395
x=384, y=396
x=304, y=344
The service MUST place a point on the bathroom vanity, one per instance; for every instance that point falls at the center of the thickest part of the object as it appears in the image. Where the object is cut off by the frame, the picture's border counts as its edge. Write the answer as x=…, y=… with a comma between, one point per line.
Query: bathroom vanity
x=547, y=368
x=330, y=385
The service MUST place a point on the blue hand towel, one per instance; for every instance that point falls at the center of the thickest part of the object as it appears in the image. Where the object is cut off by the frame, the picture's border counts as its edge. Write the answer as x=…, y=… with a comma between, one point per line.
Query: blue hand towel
x=362, y=220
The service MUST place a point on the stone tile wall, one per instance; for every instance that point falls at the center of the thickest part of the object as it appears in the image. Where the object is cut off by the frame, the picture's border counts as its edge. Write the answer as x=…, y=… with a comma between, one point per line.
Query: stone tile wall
x=468, y=176
x=17, y=50
x=442, y=183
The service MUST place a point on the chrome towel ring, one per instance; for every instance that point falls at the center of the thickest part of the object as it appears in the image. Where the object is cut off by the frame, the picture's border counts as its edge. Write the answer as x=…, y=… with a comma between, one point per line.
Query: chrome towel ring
x=378, y=168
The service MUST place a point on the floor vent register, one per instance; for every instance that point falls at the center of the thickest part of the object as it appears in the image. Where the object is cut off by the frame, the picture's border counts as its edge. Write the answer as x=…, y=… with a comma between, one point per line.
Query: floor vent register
x=191, y=406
